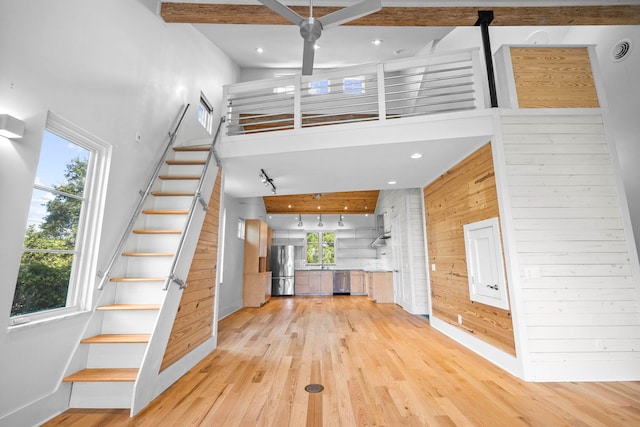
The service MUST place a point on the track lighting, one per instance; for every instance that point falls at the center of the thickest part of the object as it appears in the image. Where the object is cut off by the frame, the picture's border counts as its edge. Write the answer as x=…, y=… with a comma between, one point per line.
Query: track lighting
x=268, y=182
x=320, y=224
x=340, y=223
x=300, y=220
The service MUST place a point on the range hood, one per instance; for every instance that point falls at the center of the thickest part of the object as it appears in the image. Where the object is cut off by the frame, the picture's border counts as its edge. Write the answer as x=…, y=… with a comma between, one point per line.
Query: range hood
x=383, y=235
x=381, y=240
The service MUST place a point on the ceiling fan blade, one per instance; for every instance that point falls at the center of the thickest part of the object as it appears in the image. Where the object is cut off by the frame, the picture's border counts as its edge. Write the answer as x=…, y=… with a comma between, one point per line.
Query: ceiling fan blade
x=350, y=13
x=307, y=58
x=283, y=11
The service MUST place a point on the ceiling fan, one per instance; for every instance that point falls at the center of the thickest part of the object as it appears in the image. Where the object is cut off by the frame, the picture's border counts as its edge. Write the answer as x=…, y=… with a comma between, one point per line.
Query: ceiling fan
x=311, y=28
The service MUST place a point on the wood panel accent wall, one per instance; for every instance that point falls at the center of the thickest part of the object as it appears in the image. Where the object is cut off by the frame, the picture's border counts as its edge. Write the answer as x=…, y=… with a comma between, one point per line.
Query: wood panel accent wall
x=193, y=324
x=581, y=303
x=553, y=78
x=464, y=194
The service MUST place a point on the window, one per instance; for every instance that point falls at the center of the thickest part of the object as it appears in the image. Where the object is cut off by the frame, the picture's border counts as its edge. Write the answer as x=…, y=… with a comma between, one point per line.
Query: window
x=318, y=88
x=240, y=230
x=353, y=85
x=205, y=114
x=321, y=246
x=61, y=235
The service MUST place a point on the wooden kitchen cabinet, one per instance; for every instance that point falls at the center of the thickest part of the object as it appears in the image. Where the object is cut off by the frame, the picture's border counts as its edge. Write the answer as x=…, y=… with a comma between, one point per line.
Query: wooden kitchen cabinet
x=381, y=287
x=357, y=282
x=256, y=286
x=314, y=282
x=256, y=289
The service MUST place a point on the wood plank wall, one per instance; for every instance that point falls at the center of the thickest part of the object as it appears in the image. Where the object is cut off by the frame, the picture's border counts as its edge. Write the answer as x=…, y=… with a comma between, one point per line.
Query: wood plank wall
x=581, y=302
x=553, y=78
x=464, y=194
x=193, y=324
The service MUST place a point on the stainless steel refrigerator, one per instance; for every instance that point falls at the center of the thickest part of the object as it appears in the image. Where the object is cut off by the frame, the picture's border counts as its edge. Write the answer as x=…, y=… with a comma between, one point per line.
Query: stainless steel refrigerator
x=282, y=266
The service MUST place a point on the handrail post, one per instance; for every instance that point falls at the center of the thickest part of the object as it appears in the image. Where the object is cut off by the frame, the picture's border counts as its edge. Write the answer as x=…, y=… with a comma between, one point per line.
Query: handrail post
x=382, y=96
x=143, y=197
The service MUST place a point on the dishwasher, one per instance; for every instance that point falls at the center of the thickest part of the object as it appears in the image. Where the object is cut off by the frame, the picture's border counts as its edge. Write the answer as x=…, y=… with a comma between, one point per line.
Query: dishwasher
x=341, y=282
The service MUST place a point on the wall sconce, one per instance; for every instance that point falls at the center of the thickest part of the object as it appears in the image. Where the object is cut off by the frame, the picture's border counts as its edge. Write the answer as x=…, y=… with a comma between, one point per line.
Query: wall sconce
x=10, y=127
x=340, y=223
x=268, y=182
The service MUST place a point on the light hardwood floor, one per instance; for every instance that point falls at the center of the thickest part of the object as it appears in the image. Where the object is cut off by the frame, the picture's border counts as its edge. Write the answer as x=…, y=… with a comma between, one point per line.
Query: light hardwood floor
x=379, y=366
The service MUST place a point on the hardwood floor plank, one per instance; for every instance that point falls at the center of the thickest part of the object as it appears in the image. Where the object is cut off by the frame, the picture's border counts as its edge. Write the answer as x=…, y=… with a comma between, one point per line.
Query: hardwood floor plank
x=379, y=366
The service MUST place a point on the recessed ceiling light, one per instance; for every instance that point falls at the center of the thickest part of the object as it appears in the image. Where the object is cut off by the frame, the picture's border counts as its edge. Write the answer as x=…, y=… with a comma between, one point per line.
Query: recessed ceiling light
x=416, y=155
x=392, y=183
x=376, y=42
x=289, y=206
x=259, y=50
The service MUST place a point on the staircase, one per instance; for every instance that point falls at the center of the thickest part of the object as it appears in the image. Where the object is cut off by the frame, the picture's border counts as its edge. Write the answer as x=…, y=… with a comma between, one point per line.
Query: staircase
x=122, y=325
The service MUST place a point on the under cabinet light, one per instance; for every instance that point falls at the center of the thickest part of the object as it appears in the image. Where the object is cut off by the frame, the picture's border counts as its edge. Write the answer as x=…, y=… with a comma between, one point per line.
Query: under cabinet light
x=10, y=127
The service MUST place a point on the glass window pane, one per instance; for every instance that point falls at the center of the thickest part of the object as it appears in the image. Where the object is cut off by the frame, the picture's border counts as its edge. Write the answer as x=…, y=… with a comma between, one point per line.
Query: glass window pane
x=61, y=164
x=43, y=282
x=53, y=221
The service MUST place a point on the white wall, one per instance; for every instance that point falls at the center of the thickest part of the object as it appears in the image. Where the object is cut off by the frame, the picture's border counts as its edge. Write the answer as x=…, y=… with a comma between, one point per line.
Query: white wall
x=407, y=205
x=114, y=69
x=576, y=271
x=230, y=291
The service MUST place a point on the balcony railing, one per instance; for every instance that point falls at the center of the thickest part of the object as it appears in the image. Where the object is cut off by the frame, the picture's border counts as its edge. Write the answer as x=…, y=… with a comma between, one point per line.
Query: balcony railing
x=416, y=86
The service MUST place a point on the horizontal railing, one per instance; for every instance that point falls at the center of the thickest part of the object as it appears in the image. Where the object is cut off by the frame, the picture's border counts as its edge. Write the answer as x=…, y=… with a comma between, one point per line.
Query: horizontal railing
x=422, y=85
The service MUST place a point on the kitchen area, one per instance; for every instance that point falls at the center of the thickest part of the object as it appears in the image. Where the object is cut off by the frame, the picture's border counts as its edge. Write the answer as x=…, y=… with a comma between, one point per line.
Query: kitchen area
x=324, y=255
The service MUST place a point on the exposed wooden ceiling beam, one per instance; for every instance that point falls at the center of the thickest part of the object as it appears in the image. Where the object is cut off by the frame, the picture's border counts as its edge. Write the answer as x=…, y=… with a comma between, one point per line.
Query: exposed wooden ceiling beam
x=454, y=16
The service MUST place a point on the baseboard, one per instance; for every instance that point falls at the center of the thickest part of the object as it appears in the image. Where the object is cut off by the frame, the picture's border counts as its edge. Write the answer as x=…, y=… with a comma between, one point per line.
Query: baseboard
x=498, y=357
x=40, y=411
x=584, y=370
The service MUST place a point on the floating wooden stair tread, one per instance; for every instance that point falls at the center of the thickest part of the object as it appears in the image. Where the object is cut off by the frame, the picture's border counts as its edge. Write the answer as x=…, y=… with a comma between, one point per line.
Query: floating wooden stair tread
x=165, y=212
x=103, y=375
x=157, y=231
x=179, y=177
x=114, y=307
x=173, y=194
x=137, y=279
x=205, y=148
x=117, y=339
x=186, y=162
x=147, y=254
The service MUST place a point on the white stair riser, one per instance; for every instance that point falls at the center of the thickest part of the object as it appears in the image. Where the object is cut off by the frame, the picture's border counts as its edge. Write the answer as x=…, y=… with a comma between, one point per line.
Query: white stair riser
x=190, y=155
x=179, y=185
x=154, y=243
x=170, y=202
x=173, y=222
x=139, y=293
x=115, y=355
x=101, y=395
x=184, y=169
x=148, y=266
x=129, y=322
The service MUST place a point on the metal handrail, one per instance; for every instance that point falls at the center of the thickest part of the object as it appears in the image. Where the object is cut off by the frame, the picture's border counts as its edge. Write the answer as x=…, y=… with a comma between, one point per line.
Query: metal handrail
x=197, y=198
x=144, y=194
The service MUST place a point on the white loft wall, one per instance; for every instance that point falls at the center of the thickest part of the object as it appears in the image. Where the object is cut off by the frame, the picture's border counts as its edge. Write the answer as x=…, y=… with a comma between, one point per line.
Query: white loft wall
x=576, y=268
x=114, y=69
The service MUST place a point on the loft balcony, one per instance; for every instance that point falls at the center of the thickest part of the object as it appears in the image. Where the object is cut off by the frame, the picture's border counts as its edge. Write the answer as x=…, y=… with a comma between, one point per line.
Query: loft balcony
x=385, y=92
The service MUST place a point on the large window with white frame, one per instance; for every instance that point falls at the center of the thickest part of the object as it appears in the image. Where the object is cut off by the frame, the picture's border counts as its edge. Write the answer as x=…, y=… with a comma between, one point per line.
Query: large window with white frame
x=321, y=248
x=58, y=260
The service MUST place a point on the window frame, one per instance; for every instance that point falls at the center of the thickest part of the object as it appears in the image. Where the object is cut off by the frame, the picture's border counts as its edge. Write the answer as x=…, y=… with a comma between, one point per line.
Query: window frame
x=84, y=267
x=348, y=84
x=319, y=87
x=320, y=235
x=205, y=114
